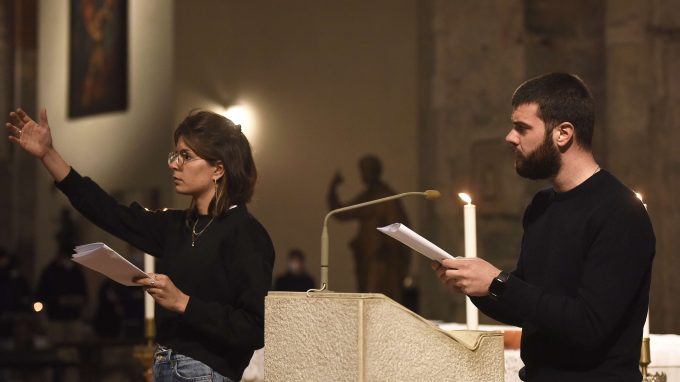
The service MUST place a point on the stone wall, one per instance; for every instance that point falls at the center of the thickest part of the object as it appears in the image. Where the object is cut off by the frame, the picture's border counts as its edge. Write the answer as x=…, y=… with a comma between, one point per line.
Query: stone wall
x=643, y=93
x=17, y=87
x=474, y=54
x=476, y=58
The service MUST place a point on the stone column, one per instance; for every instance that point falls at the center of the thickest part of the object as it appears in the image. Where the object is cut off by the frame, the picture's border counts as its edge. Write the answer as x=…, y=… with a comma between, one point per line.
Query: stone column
x=475, y=54
x=643, y=92
x=472, y=58
x=18, y=83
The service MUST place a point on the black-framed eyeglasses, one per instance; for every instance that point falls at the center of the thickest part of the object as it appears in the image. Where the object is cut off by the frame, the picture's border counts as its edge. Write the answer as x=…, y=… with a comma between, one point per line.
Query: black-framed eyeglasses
x=181, y=157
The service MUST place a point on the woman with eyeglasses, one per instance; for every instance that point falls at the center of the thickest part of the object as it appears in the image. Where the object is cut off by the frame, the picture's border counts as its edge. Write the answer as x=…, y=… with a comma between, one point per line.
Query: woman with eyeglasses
x=215, y=259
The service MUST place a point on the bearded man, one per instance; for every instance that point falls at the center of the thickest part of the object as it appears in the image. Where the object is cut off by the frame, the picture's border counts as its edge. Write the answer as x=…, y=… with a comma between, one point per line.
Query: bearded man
x=580, y=291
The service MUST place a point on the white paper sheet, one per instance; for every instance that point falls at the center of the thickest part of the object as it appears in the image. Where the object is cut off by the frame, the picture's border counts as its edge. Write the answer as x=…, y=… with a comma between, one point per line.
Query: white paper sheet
x=99, y=257
x=414, y=241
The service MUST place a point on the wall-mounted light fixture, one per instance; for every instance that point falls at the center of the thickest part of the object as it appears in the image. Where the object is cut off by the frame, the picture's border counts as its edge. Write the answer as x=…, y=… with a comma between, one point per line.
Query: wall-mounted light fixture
x=240, y=115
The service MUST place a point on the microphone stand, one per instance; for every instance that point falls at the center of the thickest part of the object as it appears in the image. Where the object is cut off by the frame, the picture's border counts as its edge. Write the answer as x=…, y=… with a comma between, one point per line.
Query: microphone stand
x=429, y=194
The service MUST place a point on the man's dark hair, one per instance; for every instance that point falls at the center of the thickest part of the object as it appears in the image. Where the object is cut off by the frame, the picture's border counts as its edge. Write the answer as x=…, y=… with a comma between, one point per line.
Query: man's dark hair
x=561, y=97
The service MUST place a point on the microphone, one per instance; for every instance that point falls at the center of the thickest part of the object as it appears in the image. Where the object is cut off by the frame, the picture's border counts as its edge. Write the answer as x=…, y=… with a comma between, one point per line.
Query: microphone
x=428, y=194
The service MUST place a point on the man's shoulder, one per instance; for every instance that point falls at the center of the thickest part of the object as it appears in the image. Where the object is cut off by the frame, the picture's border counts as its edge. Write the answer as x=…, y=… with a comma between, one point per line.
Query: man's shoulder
x=611, y=182
x=614, y=193
x=616, y=205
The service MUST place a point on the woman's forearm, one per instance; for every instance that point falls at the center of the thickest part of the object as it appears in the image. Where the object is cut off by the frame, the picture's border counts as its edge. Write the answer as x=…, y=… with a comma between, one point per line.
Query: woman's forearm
x=55, y=165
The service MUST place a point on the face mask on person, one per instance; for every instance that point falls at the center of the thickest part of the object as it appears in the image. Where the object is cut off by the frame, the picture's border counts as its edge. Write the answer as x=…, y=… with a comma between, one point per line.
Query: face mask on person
x=295, y=267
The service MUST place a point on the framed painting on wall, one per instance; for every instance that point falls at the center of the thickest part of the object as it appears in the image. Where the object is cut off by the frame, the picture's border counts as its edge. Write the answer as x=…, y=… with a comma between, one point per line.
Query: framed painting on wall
x=98, y=66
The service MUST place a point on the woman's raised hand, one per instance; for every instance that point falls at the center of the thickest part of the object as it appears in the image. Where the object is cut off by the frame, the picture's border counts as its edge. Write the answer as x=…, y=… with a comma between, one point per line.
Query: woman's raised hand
x=34, y=137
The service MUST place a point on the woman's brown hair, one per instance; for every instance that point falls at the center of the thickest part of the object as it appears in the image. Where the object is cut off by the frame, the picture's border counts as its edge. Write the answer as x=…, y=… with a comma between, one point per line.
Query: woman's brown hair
x=217, y=139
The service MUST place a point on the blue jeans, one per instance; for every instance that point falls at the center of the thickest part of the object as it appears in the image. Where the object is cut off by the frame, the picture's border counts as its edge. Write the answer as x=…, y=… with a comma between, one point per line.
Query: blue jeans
x=169, y=366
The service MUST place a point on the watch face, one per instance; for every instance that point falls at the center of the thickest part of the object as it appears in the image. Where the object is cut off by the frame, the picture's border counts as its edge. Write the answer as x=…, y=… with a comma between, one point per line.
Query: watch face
x=497, y=286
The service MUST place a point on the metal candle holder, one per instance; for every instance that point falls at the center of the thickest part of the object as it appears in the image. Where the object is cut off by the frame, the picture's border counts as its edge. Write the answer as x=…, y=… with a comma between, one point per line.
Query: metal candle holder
x=144, y=353
x=645, y=360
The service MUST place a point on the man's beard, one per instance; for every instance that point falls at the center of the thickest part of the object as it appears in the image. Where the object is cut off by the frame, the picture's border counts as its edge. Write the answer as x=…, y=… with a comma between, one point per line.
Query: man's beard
x=542, y=163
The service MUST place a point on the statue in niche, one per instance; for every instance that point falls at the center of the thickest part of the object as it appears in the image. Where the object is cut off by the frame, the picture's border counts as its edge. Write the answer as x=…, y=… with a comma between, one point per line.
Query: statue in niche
x=381, y=263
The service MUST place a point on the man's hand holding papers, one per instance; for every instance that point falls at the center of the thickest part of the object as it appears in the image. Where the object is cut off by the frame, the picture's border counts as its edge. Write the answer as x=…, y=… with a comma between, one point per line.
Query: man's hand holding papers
x=470, y=276
x=414, y=241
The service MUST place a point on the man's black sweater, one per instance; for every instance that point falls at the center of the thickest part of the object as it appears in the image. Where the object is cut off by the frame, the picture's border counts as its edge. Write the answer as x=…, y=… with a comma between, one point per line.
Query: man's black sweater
x=226, y=274
x=581, y=288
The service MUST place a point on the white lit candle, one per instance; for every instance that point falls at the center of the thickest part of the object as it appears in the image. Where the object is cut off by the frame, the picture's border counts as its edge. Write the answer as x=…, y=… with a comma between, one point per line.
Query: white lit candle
x=149, y=267
x=645, y=329
x=470, y=225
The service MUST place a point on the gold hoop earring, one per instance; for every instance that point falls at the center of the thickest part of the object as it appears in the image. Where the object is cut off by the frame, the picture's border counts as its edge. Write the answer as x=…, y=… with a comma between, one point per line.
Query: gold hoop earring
x=217, y=189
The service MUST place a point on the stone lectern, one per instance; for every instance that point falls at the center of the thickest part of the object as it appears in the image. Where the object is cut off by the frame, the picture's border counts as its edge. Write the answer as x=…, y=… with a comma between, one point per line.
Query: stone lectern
x=369, y=337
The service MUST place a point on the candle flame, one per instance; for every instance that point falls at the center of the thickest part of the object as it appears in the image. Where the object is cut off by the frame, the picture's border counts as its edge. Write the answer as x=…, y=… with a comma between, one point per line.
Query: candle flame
x=465, y=197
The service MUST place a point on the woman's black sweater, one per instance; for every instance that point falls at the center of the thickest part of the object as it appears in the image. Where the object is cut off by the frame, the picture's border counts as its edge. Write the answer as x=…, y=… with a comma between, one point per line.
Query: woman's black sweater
x=226, y=274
